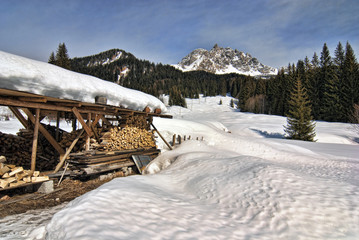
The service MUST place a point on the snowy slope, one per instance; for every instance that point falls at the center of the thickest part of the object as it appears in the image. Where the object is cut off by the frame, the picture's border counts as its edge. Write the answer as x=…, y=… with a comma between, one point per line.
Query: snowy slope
x=244, y=181
x=247, y=184
x=19, y=73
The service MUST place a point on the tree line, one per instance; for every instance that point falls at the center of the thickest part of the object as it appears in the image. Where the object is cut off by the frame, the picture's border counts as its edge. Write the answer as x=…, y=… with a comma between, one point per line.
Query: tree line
x=331, y=83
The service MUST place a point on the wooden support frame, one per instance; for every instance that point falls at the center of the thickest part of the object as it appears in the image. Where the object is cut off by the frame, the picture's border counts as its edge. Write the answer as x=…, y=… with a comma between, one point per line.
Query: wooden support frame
x=44, y=132
x=20, y=117
x=82, y=121
x=63, y=158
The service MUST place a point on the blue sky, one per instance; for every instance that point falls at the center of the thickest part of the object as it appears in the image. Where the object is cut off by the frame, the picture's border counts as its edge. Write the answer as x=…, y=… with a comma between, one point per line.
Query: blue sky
x=277, y=32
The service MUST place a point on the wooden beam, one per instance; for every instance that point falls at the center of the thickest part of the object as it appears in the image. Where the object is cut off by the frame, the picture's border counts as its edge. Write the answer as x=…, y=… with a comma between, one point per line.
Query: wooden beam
x=82, y=121
x=44, y=132
x=62, y=160
x=168, y=145
x=34, y=140
x=105, y=121
x=19, y=116
x=33, y=99
x=97, y=119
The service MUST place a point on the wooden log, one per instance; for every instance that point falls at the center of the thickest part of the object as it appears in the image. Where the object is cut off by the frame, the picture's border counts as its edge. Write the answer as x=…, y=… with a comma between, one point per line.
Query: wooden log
x=3, y=183
x=4, y=170
x=15, y=171
x=40, y=179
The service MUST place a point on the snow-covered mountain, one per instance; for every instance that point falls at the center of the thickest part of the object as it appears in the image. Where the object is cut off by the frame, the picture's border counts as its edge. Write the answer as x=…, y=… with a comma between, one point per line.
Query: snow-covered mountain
x=221, y=60
x=101, y=59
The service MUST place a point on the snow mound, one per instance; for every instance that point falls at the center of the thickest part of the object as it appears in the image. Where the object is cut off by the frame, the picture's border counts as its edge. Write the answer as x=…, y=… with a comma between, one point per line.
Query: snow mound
x=23, y=74
x=208, y=193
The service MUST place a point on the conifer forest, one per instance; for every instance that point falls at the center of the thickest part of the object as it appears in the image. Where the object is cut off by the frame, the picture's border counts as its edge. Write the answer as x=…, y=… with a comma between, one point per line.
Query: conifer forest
x=331, y=82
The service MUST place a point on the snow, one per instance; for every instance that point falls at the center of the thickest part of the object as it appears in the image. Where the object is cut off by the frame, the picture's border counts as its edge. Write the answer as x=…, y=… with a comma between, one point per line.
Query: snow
x=23, y=74
x=243, y=181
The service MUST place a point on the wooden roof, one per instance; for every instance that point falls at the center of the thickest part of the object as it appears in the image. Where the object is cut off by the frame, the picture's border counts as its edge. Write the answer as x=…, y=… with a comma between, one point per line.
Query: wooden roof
x=14, y=98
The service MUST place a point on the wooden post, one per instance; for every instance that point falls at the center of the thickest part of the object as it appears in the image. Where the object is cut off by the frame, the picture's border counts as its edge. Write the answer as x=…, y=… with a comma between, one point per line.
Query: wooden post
x=74, y=125
x=87, y=146
x=179, y=139
x=174, y=140
x=58, y=126
x=34, y=141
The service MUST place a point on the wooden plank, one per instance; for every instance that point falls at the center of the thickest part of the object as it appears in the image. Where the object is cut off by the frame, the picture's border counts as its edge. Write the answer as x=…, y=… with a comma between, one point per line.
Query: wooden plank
x=82, y=121
x=59, y=165
x=44, y=132
x=107, y=167
x=34, y=140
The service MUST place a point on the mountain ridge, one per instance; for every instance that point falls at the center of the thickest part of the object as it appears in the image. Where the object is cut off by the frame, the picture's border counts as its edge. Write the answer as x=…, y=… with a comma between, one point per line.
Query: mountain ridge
x=221, y=60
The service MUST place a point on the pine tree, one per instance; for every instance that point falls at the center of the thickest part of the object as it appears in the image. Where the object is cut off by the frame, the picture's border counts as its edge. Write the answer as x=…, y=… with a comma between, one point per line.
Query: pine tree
x=52, y=59
x=62, y=57
x=350, y=84
x=299, y=120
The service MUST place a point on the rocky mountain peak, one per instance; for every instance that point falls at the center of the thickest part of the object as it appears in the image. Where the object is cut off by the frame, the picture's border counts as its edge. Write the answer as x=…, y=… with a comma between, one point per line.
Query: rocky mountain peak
x=221, y=60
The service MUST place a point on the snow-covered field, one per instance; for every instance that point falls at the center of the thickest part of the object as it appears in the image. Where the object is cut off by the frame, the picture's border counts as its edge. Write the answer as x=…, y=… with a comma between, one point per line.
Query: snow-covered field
x=243, y=181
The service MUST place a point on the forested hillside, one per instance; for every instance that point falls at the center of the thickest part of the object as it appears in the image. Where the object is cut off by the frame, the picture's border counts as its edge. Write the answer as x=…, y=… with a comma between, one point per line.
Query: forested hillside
x=332, y=83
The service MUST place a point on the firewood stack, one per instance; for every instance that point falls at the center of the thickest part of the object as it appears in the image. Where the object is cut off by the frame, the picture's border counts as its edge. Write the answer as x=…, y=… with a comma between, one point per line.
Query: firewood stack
x=68, y=138
x=17, y=150
x=12, y=176
x=134, y=134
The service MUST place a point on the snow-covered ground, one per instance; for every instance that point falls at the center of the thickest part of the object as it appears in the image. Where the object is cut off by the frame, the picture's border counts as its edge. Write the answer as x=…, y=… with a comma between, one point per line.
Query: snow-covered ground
x=243, y=181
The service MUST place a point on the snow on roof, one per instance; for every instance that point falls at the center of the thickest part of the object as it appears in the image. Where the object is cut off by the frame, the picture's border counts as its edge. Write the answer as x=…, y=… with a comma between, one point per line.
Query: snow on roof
x=24, y=74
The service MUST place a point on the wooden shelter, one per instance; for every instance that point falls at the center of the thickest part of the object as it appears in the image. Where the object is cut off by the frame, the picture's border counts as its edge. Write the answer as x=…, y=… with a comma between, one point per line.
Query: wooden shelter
x=91, y=116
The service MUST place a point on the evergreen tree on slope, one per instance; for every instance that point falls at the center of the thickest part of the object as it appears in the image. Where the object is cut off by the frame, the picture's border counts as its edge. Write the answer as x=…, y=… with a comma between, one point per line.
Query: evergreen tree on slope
x=299, y=119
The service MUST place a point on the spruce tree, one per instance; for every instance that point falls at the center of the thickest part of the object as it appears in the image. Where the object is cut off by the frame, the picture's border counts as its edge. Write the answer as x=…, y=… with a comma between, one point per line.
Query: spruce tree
x=299, y=120
x=62, y=57
x=52, y=59
x=350, y=84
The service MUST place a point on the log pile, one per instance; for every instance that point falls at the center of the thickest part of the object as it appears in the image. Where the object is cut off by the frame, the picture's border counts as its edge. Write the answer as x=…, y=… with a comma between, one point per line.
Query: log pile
x=13, y=176
x=127, y=138
x=68, y=138
x=136, y=121
x=17, y=149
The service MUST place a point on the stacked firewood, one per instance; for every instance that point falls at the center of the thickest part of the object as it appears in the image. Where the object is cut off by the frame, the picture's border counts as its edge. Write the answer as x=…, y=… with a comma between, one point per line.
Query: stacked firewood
x=17, y=150
x=136, y=121
x=133, y=133
x=127, y=138
x=46, y=156
x=12, y=175
x=68, y=138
